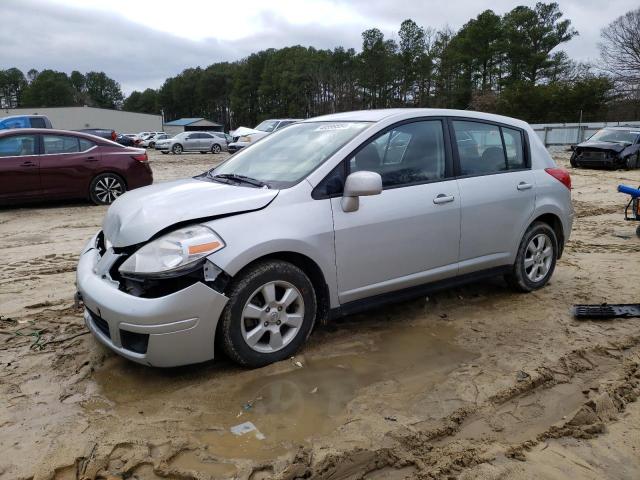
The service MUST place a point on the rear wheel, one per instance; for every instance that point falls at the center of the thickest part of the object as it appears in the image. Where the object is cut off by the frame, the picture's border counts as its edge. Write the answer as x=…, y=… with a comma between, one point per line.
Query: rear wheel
x=177, y=149
x=152, y=144
x=216, y=148
x=536, y=259
x=105, y=188
x=270, y=313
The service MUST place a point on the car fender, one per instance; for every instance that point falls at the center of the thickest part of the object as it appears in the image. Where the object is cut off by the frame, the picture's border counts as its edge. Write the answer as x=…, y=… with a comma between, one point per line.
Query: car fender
x=292, y=223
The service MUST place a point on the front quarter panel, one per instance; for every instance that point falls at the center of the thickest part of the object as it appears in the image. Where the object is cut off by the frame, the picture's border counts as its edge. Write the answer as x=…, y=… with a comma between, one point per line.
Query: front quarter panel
x=293, y=222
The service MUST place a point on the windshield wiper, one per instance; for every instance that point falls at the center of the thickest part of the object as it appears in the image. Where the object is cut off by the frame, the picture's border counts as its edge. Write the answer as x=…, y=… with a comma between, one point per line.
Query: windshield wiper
x=241, y=179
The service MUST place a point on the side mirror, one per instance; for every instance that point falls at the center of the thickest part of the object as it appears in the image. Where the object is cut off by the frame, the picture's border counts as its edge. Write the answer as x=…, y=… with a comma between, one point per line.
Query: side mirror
x=360, y=184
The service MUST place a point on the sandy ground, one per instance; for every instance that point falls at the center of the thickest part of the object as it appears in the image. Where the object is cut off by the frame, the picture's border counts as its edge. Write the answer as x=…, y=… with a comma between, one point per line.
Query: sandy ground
x=475, y=382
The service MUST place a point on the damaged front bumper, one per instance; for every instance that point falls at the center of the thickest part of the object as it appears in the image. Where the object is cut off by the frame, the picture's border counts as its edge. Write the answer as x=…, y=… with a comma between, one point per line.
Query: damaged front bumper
x=167, y=331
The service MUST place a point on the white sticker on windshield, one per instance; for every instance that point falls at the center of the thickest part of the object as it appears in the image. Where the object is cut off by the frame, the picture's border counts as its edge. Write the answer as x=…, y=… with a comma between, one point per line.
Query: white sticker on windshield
x=332, y=126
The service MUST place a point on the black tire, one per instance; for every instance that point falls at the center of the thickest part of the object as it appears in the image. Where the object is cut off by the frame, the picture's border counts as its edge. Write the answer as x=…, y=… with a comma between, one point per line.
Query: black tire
x=164, y=152
x=203, y=152
x=215, y=148
x=632, y=161
x=518, y=279
x=106, y=187
x=177, y=149
x=573, y=162
x=152, y=144
x=242, y=289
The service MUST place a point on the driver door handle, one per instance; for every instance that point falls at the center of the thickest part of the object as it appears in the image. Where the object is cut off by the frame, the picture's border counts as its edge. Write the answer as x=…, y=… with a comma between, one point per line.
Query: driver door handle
x=92, y=159
x=524, y=186
x=442, y=198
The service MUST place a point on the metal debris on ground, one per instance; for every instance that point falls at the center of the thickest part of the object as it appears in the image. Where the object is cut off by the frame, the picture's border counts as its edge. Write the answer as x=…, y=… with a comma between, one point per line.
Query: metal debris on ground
x=522, y=376
x=606, y=311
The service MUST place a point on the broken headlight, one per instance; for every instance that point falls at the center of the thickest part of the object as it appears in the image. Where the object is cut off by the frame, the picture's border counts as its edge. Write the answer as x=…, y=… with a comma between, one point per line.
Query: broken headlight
x=173, y=253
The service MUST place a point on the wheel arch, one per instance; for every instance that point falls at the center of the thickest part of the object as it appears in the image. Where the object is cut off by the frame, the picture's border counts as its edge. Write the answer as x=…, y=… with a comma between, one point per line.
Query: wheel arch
x=311, y=269
x=555, y=223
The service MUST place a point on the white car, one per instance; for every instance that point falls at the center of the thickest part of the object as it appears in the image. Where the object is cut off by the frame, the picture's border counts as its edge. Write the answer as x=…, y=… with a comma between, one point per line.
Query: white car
x=243, y=136
x=150, y=140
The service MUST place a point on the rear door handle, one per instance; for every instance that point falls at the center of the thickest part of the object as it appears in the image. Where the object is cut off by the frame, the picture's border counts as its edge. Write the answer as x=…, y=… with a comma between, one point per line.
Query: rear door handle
x=91, y=159
x=442, y=198
x=28, y=163
x=524, y=186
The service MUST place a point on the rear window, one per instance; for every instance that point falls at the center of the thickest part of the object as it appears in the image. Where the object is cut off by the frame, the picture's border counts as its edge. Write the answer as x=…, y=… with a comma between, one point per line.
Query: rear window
x=85, y=144
x=38, y=122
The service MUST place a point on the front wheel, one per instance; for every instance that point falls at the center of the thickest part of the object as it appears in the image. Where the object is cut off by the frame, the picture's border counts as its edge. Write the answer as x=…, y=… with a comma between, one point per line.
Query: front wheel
x=105, y=188
x=177, y=149
x=152, y=144
x=536, y=259
x=632, y=162
x=270, y=313
x=216, y=148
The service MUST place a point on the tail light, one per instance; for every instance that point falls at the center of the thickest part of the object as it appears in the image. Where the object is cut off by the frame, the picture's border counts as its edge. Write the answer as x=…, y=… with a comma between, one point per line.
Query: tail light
x=561, y=175
x=141, y=158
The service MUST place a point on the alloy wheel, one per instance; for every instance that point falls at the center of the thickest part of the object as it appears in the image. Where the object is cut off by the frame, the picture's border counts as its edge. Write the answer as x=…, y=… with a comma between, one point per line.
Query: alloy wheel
x=538, y=257
x=107, y=189
x=272, y=317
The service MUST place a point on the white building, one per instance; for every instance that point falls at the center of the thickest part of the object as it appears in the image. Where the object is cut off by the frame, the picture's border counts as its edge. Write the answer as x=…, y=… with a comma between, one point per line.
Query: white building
x=77, y=118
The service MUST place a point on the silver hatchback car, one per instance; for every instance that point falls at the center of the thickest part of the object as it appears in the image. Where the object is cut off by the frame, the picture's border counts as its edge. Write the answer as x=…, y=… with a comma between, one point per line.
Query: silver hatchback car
x=327, y=217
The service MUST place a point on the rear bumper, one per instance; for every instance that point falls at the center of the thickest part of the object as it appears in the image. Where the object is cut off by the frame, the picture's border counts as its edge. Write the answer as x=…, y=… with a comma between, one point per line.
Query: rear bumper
x=178, y=329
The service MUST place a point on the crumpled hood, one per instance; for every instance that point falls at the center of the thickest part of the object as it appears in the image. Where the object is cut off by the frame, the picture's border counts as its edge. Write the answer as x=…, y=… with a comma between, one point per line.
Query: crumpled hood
x=244, y=131
x=141, y=213
x=605, y=146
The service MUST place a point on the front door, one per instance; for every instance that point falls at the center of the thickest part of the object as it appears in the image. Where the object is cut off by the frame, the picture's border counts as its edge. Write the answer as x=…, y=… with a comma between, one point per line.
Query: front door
x=409, y=234
x=192, y=142
x=19, y=167
x=497, y=192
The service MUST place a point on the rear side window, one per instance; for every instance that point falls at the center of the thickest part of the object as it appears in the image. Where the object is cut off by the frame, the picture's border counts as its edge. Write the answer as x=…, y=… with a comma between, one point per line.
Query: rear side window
x=85, y=144
x=17, y=146
x=408, y=154
x=56, y=144
x=38, y=122
x=485, y=148
x=514, y=147
x=18, y=122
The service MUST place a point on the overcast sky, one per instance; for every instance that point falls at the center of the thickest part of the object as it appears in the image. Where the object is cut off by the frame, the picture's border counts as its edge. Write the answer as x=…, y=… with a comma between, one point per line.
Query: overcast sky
x=140, y=43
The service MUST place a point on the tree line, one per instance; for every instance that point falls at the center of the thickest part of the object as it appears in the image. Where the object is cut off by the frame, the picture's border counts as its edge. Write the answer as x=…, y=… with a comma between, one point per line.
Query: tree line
x=510, y=64
x=50, y=88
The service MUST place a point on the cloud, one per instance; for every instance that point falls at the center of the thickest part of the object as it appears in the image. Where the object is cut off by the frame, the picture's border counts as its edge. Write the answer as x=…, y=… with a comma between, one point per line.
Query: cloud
x=38, y=34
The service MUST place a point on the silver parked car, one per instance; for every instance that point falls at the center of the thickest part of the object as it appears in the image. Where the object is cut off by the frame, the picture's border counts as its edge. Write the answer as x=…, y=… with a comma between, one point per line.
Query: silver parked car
x=324, y=218
x=203, y=142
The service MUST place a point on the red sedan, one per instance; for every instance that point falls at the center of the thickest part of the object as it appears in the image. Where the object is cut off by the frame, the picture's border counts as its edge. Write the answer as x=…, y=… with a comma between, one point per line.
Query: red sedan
x=39, y=163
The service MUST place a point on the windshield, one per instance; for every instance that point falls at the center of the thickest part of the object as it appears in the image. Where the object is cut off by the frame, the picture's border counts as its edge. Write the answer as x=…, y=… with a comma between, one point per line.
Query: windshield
x=615, y=136
x=287, y=156
x=267, y=126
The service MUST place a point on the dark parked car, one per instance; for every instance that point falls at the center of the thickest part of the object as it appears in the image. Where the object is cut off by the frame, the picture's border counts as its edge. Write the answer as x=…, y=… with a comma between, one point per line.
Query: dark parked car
x=125, y=140
x=25, y=121
x=613, y=147
x=37, y=164
x=101, y=132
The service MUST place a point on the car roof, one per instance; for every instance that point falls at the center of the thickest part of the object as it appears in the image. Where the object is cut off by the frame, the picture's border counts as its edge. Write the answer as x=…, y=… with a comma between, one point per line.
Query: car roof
x=53, y=131
x=379, y=115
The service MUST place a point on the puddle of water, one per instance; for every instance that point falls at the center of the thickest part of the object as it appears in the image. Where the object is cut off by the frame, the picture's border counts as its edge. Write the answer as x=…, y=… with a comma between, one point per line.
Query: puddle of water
x=191, y=463
x=287, y=404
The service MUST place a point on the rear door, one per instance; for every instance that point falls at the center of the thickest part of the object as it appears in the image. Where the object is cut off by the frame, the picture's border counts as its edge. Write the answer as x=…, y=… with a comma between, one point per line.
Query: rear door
x=19, y=167
x=497, y=191
x=67, y=165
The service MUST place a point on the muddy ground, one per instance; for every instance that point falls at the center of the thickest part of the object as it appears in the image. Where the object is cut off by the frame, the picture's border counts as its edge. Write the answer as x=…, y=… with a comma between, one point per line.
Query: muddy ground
x=475, y=382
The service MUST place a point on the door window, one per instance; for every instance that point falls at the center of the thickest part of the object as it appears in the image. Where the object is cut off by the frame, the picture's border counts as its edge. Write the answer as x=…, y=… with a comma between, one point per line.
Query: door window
x=408, y=154
x=56, y=144
x=484, y=148
x=17, y=146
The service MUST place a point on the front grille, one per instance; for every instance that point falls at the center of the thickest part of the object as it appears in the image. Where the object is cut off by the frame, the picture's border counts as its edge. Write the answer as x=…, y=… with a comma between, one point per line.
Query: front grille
x=590, y=155
x=100, y=324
